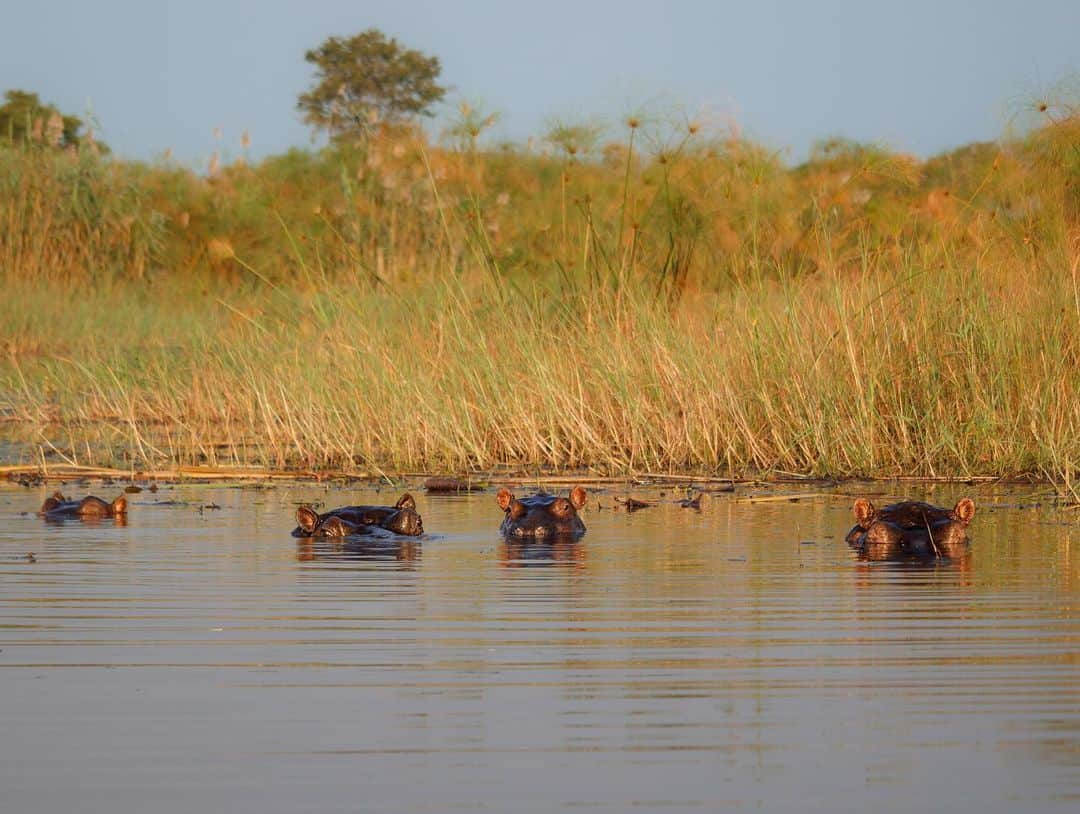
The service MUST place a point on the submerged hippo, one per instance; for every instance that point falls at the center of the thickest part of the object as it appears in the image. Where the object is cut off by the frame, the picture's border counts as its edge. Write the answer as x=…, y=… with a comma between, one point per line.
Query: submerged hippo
x=58, y=506
x=910, y=530
x=542, y=515
x=401, y=518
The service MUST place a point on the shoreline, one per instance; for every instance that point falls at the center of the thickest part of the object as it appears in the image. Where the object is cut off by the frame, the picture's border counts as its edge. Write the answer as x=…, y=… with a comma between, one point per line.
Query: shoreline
x=68, y=472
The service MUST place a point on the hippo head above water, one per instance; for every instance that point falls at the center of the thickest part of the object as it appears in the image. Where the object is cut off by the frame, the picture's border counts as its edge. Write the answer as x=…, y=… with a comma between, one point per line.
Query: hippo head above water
x=542, y=515
x=59, y=506
x=401, y=518
x=910, y=530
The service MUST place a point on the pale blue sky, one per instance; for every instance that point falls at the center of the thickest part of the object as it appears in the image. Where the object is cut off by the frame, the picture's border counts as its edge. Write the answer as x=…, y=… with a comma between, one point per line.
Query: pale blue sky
x=919, y=75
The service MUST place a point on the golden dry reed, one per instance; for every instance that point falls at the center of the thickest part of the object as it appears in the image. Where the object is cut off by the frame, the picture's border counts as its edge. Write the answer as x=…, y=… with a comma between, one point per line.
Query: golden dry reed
x=670, y=302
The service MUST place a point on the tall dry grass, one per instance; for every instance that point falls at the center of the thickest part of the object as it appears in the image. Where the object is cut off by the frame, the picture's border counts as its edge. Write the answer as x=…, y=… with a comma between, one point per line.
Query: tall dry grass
x=671, y=302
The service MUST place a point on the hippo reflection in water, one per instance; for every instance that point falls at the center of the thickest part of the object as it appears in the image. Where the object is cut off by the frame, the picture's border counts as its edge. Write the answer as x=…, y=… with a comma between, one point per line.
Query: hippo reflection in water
x=541, y=552
x=542, y=515
x=368, y=546
x=910, y=530
x=401, y=518
x=90, y=507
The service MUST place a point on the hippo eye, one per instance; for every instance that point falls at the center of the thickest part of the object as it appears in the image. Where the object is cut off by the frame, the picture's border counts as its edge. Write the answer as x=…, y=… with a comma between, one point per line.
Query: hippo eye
x=561, y=507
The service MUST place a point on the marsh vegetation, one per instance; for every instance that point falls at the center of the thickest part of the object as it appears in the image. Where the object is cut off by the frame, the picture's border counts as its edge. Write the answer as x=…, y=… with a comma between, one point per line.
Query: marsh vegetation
x=661, y=297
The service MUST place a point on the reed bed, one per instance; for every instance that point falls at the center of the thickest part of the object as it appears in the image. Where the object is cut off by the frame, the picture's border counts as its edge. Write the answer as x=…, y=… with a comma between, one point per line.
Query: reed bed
x=694, y=308
x=821, y=376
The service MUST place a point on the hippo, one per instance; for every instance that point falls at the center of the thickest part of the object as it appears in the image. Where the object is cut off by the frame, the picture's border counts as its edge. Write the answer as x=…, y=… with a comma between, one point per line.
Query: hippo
x=542, y=515
x=401, y=518
x=910, y=530
x=58, y=506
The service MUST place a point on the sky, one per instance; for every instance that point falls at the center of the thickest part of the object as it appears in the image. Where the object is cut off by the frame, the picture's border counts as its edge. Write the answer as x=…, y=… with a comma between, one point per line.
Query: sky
x=916, y=76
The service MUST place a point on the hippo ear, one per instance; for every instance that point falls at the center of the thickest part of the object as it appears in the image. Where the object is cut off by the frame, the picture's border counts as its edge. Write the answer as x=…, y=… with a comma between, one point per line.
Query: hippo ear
x=964, y=510
x=50, y=504
x=406, y=502
x=58, y=496
x=307, y=518
x=504, y=499
x=578, y=496
x=864, y=512
x=119, y=506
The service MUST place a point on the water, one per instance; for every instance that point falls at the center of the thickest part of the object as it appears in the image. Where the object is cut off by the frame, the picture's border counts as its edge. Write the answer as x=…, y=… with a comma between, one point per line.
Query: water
x=200, y=659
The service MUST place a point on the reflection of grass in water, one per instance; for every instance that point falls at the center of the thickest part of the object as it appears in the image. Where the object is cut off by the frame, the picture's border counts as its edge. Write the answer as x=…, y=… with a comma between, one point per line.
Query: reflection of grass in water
x=675, y=302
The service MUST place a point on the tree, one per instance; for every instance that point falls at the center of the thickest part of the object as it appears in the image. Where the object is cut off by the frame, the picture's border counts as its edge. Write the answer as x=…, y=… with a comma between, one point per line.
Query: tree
x=367, y=79
x=24, y=118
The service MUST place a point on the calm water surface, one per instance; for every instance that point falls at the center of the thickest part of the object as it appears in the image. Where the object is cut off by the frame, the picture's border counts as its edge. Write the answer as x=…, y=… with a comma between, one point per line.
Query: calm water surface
x=739, y=658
